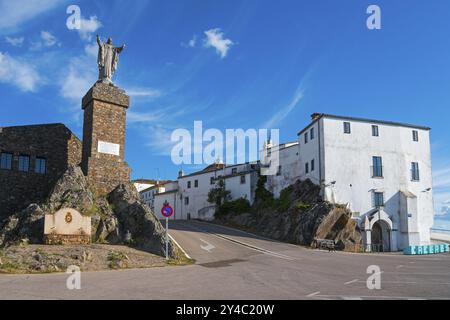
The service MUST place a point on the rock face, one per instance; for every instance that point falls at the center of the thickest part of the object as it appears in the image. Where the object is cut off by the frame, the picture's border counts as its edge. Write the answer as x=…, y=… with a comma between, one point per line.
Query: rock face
x=138, y=220
x=119, y=218
x=25, y=226
x=308, y=218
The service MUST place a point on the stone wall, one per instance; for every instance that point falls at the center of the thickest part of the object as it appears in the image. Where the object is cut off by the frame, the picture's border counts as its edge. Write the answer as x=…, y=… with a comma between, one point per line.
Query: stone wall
x=68, y=239
x=105, y=109
x=54, y=142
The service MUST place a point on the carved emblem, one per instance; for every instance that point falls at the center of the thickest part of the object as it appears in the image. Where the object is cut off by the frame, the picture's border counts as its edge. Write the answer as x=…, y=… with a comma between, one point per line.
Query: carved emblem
x=68, y=217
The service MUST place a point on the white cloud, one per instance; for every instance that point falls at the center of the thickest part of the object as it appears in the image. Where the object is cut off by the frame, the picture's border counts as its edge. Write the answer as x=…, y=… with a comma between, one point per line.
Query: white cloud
x=91, y=50
x=17, y=12
x=141, y=117
x=191, y=43
x=15, y=42
x=18, y=73
x=88, y=27
x=48, y=39
x=77, y=81
x=214, y=38
x=143, y=92
x=278, y=117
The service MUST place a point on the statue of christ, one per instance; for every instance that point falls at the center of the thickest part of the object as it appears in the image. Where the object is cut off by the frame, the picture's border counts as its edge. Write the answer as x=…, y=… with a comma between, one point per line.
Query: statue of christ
x=108, y=58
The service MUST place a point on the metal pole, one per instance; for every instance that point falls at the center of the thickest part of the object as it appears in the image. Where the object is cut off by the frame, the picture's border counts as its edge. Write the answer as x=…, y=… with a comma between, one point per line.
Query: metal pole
x=167, y=238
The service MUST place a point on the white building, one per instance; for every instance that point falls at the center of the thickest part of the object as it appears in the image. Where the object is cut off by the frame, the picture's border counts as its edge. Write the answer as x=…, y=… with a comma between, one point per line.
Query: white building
x=188, y=196
x=148, y=194
x=381, y=169
x=142, y=184
x=288, y=170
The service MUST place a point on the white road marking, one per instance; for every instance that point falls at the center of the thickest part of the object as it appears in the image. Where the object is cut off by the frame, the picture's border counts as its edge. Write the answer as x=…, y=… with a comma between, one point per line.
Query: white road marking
x=399, y=266
x=380, y=297
x=313, y=294
x=181, y=248
x=351, y=281
x=249, y=246
x=208, y=246
x=352, y=298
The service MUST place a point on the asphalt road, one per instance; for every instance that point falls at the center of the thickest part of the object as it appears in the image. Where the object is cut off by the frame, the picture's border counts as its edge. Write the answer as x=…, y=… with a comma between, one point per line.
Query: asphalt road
x=232, y=264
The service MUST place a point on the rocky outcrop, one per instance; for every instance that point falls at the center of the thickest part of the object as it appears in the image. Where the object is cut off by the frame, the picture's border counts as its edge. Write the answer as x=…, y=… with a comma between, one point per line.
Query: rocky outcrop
x=308, y=217
x=27, y=226
x=71, y=191
x=119, y=218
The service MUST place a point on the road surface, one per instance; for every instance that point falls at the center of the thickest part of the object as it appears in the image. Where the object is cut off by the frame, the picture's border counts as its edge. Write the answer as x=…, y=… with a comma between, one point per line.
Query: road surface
x=232, y=264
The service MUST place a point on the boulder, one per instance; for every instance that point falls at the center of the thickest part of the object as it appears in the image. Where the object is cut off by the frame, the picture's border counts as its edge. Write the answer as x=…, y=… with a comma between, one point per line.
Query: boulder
x=71, y=191
x=136, y=219
x=120, y=218
x=24, y=226
x=307, y=218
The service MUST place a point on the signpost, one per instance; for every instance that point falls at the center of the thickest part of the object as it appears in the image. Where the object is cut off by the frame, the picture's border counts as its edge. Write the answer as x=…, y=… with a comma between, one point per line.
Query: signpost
x=167, y=212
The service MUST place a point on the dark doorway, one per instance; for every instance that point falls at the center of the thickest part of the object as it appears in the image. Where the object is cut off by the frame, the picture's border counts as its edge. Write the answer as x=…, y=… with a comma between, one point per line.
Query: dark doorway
x=381, y=238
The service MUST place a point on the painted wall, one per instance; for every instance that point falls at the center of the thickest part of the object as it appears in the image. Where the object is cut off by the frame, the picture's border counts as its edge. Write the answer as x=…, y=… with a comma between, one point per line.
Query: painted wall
x=348, y=161
x=289, y=171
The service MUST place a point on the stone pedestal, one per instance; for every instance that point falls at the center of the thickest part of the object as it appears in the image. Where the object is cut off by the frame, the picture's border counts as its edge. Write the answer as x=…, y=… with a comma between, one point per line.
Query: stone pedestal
x=103, y=159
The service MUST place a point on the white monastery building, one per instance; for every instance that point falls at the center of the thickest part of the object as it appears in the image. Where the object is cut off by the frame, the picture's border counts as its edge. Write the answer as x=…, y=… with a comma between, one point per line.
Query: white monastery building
x=380, y=169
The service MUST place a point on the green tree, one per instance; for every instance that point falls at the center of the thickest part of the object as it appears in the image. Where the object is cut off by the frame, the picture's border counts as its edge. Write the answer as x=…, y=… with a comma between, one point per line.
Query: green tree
x=219, y=194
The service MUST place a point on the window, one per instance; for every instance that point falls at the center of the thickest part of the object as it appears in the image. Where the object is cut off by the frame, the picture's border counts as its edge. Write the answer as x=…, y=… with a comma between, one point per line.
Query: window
x=306, y=137
x=186, y=200
x=40, y=166
x=24, y=163
x=189, y=184
x=347, y=128
x=415, y=171
x=234, y=171
x=6, y=161
x=415, y=135
x=375, y=131
x=243, y=179
x=196, y=183
x=312, y=165
x=311, y=133
x=377, y=169
x=307, y=167
x=378, y=199
x=211, y=181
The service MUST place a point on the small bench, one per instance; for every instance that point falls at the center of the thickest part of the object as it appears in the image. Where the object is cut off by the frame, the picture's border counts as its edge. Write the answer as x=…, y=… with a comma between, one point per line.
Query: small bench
x=329, y=245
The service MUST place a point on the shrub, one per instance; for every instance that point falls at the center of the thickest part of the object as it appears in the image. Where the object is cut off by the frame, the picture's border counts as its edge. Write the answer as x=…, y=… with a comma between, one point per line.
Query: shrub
x=237, y=206
x=283, y=203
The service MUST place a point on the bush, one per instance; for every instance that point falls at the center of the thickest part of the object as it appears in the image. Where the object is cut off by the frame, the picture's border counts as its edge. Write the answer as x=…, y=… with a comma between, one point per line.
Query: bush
x=302, y=206
x=238, y=206
x=283, y=203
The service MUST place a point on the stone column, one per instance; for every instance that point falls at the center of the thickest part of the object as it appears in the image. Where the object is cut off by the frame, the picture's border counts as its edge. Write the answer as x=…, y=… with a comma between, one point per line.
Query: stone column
x=103, y=159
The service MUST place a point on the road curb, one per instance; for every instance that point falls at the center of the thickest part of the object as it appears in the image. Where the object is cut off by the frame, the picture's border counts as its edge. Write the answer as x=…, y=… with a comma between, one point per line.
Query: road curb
x=181, y=248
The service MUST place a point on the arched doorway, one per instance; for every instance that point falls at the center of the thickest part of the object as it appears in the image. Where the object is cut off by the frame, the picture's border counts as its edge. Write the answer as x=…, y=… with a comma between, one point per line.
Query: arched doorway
x=381, y=237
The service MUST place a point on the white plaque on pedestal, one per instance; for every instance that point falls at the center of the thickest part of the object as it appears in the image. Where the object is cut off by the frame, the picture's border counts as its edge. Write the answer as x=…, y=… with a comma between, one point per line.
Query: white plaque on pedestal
x=108, y=148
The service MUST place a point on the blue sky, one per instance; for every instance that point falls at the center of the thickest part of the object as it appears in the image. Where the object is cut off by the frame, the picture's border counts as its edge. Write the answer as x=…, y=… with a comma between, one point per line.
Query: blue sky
x=232, y=64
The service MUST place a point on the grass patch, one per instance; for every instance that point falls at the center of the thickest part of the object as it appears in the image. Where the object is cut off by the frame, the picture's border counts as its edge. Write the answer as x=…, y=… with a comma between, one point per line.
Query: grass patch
x=117, y=260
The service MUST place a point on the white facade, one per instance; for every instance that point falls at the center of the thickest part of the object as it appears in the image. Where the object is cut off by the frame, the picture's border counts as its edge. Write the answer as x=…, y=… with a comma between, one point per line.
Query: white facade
x=289, y=166
x=142, y=184
x=343, y=164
